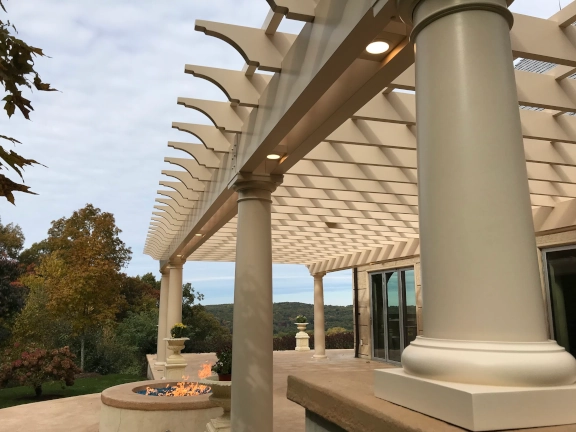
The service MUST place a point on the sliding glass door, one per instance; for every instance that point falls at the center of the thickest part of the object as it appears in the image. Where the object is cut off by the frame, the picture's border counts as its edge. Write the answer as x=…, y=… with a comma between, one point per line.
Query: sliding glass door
x=560, y=267
x=393, y=313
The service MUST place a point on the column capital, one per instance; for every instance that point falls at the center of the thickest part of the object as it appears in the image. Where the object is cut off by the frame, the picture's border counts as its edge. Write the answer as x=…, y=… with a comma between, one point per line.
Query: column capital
x=319, y=275
x=255, y=186
x=421, y=13
x=176, y=263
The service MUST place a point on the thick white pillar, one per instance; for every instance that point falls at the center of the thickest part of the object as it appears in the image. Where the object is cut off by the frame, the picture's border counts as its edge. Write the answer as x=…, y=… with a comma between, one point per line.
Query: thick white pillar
x=162, y=315
x=252, y=326
x=319, y=326
x=484, y=321
x=174, y=312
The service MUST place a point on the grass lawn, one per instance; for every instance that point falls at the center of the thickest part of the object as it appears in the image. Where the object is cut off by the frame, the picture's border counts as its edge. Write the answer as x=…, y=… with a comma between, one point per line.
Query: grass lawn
x=82, y=386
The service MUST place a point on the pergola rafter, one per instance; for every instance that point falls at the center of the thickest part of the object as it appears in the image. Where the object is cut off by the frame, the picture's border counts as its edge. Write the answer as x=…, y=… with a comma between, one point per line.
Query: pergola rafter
x=358, y=186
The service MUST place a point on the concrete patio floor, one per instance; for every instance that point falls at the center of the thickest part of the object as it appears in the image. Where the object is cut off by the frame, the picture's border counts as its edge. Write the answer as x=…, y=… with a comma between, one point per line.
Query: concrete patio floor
x=81, y=414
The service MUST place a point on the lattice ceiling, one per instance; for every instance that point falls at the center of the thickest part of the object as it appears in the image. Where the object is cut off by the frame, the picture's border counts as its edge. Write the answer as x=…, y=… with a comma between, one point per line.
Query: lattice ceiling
x=352, y=198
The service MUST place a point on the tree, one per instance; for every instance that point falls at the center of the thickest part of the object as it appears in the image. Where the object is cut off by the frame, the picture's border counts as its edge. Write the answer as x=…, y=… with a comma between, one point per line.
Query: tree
x=150, y=279
x=204, y=330
x=16, y=71
x=89, y=230
x=31, y=257
x=36, y=324
x=137, y=295
x=12, y=294
x=81, y=272
x=189, y=297
x=140, y=330
x=11, y=240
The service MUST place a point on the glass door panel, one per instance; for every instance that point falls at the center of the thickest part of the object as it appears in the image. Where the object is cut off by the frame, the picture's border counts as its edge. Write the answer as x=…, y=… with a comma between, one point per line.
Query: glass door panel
x=393, y=316
x=561, y=269
x=393, y=313
x=410, y=326
x=378, y=331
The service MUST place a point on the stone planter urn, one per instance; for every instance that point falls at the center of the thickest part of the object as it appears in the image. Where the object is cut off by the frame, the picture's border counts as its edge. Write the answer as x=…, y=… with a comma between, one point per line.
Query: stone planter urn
x=302, y=338
x=175, y=363
x=221, y=396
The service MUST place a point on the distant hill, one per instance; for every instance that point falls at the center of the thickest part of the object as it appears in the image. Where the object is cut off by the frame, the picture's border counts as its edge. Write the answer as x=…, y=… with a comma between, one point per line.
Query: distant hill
x=284, y=314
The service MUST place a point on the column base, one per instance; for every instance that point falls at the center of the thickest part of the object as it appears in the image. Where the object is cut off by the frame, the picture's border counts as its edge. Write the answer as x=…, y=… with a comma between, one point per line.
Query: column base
x=319, y=357
x=174, y=371
x=478, y=407
x=218, y=425
x=512, y=364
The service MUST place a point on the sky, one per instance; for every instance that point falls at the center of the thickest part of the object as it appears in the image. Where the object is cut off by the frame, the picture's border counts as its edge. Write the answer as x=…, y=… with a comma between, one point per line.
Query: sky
x=119, y=66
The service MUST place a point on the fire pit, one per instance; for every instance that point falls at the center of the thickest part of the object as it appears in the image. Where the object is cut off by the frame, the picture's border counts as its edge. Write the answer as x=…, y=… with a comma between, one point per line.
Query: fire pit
x=182, y=388
x=152, y=406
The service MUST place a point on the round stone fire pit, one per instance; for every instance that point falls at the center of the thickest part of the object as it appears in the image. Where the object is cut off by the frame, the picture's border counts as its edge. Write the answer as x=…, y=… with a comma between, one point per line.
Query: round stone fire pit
x=124, y=410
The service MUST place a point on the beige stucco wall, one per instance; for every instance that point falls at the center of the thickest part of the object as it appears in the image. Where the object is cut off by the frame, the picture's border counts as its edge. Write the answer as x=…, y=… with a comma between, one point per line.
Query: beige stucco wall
x=543, y=241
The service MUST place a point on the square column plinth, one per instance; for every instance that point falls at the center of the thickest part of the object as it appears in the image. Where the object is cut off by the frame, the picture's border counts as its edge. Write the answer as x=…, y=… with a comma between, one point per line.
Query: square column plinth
x=478, y=407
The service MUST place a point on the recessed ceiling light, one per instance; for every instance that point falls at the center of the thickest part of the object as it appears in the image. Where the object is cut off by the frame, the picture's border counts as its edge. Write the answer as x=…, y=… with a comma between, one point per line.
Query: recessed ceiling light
x=378, y=47
x=199, y=235
x=273, y=156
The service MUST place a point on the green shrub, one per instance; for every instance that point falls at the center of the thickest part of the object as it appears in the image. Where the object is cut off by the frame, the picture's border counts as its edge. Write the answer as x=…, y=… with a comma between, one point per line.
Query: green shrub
x=107, y=353
x=335, y=330
x=284, y=343
x=340, y=341
x=344, y=340
x=139, y=330
x=223, y=365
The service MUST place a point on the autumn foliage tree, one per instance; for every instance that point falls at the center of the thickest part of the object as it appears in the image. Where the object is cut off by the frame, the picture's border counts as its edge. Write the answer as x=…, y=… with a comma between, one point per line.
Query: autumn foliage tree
x=16, y=72
x=12, y=293
x=11, y=240
x=81, y=274
x=138, y=294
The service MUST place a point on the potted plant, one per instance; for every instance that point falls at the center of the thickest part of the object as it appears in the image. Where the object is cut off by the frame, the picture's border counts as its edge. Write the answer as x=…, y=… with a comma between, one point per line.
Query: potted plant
x=302, y=338
x=301, y=322
x=223, y=367
x=177, y=332
x=175, y=363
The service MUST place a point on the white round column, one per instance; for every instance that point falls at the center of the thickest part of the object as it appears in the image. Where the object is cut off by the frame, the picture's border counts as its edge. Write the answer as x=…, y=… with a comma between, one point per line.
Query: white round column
x=319, y=325
x=162, y=315
x=483, y=312
x=253, y=319
x=174, y=311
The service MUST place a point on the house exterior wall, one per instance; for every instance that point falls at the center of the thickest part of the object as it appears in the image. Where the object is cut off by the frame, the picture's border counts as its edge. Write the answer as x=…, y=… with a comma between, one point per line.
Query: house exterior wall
x=543, y=241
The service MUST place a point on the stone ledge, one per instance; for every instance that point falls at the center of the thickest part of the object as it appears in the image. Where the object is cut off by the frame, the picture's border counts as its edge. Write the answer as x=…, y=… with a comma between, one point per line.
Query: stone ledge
x=347, y=400
x=123, y=396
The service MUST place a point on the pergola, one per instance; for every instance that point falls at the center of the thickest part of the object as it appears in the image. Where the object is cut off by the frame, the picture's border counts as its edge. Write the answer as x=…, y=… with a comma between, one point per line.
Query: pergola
x=317, y=164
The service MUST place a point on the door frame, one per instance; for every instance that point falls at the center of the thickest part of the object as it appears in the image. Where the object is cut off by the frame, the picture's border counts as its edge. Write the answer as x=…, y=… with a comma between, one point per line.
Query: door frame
x=549, y=311
x=401, y=307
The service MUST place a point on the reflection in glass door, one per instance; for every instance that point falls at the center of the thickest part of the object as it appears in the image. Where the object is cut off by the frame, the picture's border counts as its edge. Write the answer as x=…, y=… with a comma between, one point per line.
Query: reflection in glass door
x=393, y=313
x=560, y=266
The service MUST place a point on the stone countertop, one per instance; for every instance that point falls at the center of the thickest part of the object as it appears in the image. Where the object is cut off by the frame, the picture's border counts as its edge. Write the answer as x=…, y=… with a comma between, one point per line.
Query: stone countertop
x=347, y=399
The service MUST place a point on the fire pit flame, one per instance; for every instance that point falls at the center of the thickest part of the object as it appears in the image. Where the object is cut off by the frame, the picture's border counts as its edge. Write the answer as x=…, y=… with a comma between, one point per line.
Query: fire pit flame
x=184, y=387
